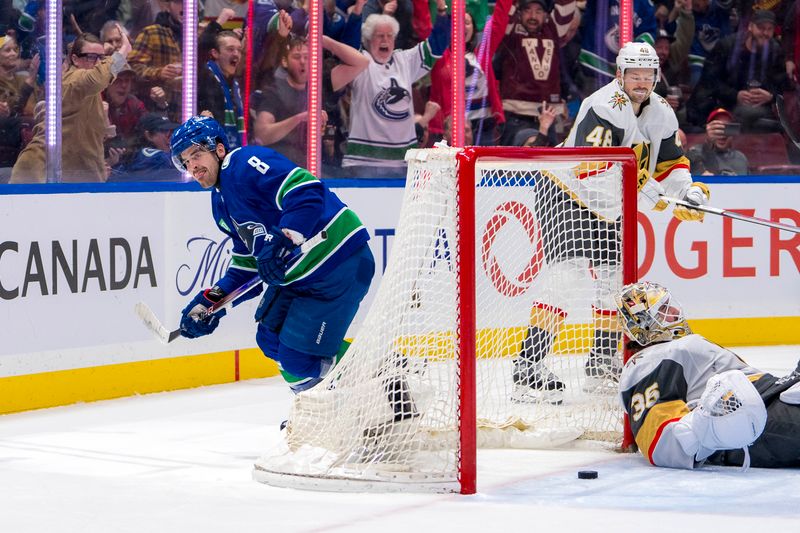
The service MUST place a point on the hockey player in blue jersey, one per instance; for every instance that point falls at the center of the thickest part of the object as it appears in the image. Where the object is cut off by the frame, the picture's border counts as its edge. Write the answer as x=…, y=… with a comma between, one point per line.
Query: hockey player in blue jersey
x=269, y=207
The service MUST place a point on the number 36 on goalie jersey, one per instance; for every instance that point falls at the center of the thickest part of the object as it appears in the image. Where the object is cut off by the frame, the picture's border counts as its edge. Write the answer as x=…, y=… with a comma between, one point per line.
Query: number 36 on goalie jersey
x=656, y=385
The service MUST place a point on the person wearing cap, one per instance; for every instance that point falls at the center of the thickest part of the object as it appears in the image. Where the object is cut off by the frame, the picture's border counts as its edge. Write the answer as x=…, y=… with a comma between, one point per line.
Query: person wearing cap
x=529, y=65
x=743, y=73
x=152, y=162
x=540, y=137
x=717, y=154
x=84, y=119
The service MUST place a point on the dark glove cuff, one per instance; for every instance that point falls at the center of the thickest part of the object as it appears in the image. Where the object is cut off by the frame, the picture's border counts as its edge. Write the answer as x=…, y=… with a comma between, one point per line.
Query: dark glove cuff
x=214, y=294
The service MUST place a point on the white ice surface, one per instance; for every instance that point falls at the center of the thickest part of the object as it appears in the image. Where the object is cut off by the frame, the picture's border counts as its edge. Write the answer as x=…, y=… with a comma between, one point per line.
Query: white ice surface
x=181, y=461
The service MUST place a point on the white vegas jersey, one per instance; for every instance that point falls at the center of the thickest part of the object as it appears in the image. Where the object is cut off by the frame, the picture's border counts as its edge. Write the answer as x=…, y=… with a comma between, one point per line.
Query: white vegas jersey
x=606, y=118
x=382, y=108
x=657, y=383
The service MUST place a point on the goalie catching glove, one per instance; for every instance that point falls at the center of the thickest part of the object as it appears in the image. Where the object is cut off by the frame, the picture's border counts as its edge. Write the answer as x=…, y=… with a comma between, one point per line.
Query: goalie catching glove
x=729, y=415
x=275, y=256
x=195, y=320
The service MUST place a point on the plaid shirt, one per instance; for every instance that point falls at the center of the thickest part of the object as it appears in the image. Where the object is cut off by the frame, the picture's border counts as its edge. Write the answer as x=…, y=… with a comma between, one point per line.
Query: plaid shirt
x=154, y=48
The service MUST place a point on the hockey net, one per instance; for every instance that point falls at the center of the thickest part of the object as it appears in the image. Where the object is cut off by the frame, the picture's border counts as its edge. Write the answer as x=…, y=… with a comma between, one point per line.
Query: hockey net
x=429, y=374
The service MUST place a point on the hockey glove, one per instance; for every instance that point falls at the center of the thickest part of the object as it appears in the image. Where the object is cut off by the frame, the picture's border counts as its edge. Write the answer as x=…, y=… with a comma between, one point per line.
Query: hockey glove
x=697, y=194
x=196, y=321
x=275, y=256
x=650, y=192
x=729, y=415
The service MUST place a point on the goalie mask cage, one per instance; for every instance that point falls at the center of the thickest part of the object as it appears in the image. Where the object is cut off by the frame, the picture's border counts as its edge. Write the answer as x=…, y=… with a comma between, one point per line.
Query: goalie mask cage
x=428, y=377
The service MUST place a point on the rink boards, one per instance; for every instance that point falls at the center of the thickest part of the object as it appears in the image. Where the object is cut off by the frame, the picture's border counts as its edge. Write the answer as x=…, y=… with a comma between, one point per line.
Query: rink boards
x=74, y=260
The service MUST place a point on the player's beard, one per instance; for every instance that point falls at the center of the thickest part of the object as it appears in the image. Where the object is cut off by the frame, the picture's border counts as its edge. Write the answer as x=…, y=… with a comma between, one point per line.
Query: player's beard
x=638, y=96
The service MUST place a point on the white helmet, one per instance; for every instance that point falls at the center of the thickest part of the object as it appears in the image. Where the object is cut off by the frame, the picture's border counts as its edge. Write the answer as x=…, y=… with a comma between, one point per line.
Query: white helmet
x=649, y=313
x=637, y=55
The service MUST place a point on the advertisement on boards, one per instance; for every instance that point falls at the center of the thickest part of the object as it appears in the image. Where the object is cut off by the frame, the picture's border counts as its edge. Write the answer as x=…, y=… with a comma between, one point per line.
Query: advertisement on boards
x=69, y=281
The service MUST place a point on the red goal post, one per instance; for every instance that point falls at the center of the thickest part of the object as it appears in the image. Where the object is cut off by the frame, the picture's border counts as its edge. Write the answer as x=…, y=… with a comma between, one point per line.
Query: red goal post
x=467, y=160
x=432, y=373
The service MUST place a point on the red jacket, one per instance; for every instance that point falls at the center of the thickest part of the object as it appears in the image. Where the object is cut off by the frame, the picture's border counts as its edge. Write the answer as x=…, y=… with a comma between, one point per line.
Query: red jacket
x=441, y=82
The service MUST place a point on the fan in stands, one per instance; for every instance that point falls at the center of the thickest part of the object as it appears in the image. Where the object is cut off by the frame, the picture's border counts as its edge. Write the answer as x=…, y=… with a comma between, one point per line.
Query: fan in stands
x=623, y=113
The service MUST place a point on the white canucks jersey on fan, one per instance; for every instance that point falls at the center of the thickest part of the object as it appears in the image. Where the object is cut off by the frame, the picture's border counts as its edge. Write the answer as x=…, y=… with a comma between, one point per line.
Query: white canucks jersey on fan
x=382, y=118
x=677, y=372
x=606, y=118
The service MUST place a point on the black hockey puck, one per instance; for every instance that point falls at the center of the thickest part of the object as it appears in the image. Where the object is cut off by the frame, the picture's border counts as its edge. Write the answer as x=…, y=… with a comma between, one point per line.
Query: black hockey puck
x=587, y=474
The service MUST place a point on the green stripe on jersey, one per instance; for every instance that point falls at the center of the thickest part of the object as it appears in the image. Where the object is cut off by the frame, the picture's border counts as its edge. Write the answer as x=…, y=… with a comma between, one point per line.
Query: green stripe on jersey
x=696, y=60
x=340, y=229
x=244, y=262
x=379, y=152
x=428, y=59
x=296, y=178
x=597, y=63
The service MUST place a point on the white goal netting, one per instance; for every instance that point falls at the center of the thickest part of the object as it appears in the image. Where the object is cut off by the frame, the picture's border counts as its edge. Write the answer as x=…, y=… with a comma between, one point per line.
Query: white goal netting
x=387, y=417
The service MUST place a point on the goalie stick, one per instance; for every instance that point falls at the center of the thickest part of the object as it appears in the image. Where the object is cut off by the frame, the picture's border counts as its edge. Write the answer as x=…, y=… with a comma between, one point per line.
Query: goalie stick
x=731, y=214
x=781, y=111
x=166, y=336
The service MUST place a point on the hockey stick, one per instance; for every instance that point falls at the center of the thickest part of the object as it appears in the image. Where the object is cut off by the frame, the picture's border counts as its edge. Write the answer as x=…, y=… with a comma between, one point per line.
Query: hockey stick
x=731, y=214
x=781, y=111
x=166, y=336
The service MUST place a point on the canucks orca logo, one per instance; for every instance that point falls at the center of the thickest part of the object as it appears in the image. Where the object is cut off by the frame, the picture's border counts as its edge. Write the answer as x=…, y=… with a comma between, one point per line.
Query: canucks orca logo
x=708, y=36
x=249, y=232
x=393, y=103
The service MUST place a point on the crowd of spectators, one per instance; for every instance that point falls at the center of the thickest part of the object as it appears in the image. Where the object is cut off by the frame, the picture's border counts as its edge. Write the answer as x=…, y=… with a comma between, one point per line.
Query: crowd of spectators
x=386, y=78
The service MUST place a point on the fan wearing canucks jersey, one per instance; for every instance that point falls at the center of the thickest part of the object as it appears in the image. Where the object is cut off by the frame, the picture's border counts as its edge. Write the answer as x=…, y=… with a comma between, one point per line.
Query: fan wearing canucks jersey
x=585, y=206
x=382, y=117
x=690, y=401
x=288, y=228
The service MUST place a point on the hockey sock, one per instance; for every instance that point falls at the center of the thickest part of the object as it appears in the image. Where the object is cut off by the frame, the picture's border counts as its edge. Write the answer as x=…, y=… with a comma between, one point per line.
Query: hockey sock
x=535, y=347
x=299, y=384
x=529, y=370
x=603, y=359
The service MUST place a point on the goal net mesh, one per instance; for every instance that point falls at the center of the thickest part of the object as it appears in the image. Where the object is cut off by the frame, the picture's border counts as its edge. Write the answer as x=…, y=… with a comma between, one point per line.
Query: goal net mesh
x=388, y=413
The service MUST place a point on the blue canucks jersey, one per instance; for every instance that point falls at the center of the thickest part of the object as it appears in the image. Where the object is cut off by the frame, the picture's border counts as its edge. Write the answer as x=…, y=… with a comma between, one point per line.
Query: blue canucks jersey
x=258, y=190
x=600, y=38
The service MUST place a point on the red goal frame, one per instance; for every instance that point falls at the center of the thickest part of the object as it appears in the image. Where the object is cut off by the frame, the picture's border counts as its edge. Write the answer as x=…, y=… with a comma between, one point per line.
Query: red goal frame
x=466, y=160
